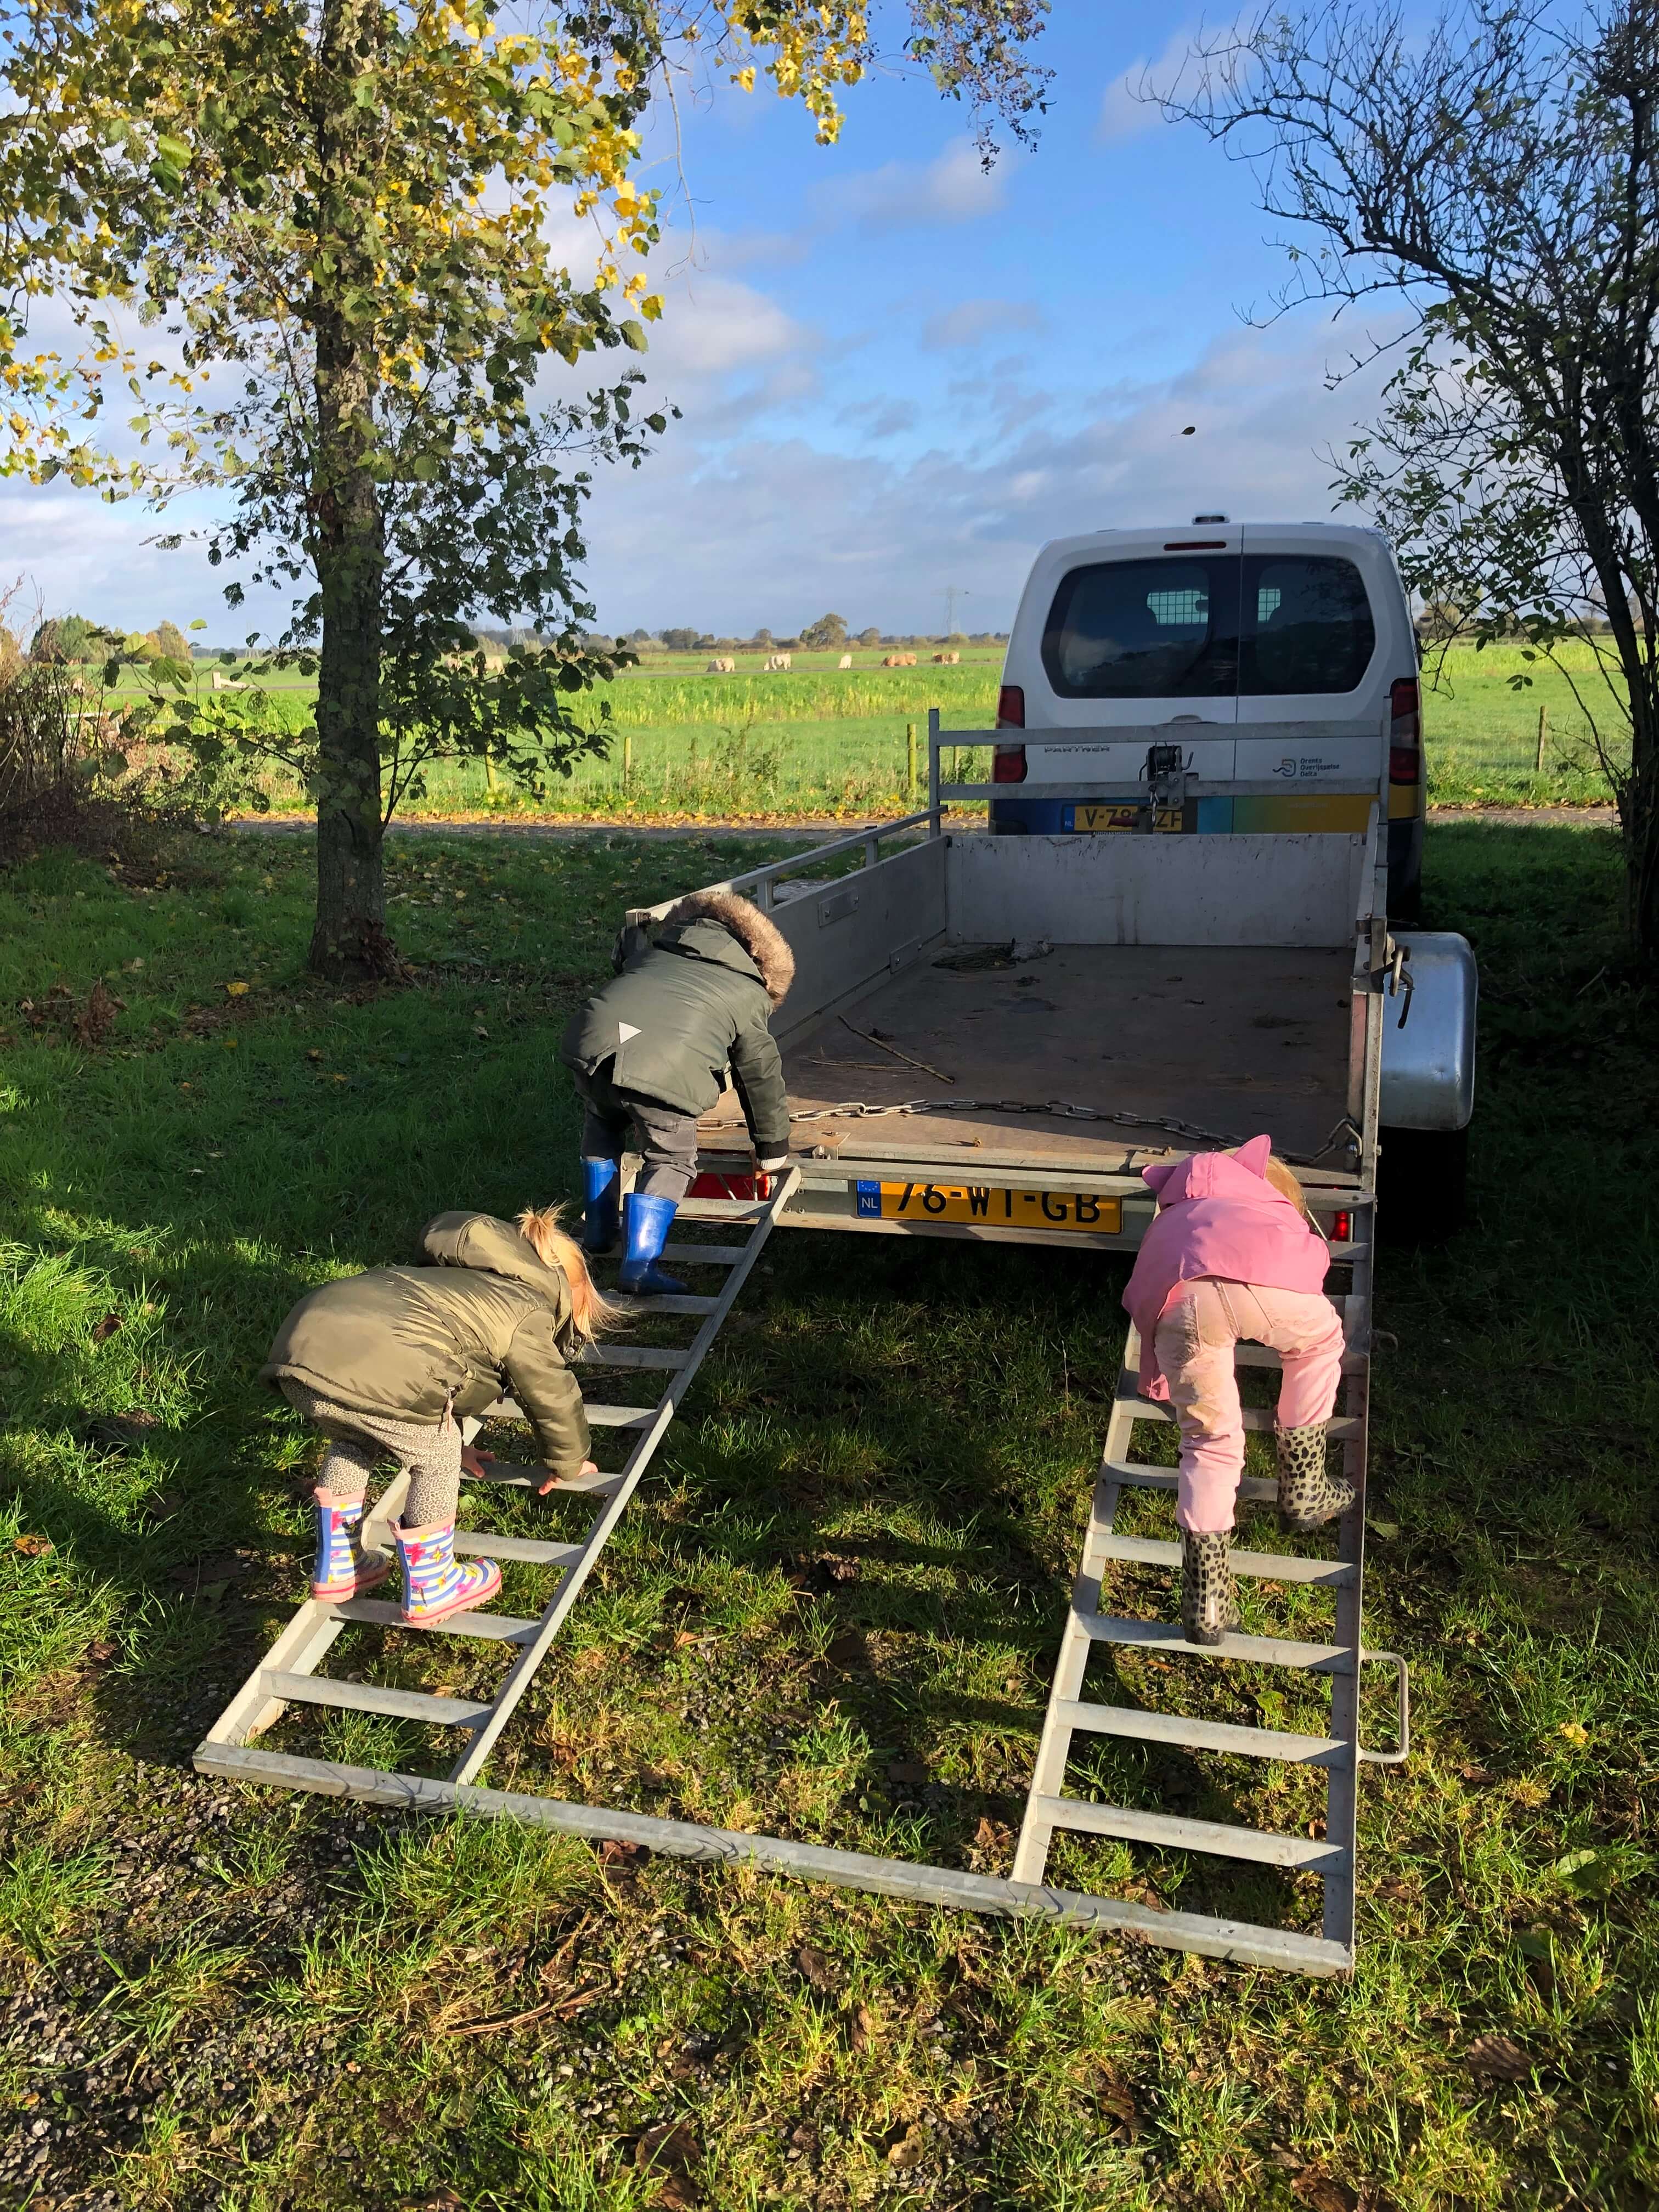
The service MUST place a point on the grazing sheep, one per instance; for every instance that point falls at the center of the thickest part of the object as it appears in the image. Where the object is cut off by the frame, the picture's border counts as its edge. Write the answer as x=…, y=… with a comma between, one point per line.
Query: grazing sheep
x=945, y=660
x=899, y=660
x=777, y=661
x=846, y=660
x=725, y=667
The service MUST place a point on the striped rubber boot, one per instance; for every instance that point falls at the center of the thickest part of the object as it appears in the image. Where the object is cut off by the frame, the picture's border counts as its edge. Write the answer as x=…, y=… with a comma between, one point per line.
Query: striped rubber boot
x=1308, y=1496
x=436, y=1583
x=343, y=1568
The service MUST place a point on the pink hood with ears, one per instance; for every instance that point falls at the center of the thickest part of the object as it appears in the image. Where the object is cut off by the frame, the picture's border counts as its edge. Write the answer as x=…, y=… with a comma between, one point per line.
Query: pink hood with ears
x=1217, y=1215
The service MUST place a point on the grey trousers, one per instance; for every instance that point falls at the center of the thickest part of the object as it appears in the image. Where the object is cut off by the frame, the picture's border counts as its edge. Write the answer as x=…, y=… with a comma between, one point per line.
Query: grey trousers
x=615, y=1121
x=431, y=1450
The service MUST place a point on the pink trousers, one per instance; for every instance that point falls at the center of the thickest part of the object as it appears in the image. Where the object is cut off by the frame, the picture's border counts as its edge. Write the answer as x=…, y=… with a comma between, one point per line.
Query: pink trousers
x=1196, y=1334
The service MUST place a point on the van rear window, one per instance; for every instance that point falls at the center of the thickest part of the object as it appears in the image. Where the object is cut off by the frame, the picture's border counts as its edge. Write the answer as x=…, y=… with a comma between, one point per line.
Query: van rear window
x=1308, y=626
x=1146, y=629
x=1268, y=625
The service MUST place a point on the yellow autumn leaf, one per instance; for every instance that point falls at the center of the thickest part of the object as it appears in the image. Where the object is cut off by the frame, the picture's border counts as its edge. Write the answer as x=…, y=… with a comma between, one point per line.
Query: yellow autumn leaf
x=236, y=990
x=1575, y=1731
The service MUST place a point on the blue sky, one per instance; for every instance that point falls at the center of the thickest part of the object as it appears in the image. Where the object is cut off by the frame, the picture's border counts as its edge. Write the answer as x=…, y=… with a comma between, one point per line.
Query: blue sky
x=896, y=375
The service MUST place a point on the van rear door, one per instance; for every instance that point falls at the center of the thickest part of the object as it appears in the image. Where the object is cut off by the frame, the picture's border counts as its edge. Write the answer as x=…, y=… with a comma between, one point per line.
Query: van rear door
x=1144, y=638
x=1316, y=626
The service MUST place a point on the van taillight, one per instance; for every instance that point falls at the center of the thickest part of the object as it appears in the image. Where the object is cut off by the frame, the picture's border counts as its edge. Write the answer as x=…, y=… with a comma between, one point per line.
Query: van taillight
x=1405, y=731
x=1011, y=707
x=1342, y=1229
x=1008, y=764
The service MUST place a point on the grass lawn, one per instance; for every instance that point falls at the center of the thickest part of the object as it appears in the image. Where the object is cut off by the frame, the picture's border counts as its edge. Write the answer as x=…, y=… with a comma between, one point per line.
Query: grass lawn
x=831, y=1610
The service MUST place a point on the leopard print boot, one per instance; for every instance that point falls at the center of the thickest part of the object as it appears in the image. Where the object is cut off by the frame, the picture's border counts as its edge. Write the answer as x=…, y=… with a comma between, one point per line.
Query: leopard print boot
x=1209, y=1603
x=1308, y=1496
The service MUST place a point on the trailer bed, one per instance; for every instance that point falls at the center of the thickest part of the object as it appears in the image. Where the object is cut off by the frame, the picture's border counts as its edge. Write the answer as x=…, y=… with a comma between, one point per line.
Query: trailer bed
x=1232, y=1040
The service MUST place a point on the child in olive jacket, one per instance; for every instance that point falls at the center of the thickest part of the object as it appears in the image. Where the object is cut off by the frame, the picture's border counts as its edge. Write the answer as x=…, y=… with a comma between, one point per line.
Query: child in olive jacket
x=385, y=1362
x=650, y=1053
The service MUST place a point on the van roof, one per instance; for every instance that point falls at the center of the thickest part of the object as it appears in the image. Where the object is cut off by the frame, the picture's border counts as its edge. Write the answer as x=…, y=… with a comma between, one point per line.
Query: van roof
x=1152, y=536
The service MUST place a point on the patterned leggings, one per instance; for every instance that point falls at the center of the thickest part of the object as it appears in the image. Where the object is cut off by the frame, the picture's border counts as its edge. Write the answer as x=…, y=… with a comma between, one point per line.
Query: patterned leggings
x=430, y=1450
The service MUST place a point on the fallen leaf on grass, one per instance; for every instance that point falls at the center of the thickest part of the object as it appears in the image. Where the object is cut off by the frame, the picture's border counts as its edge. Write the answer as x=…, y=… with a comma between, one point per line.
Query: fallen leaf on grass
x=672, y=2146
x=816, y=1969
x=436, y=2200
x=1319, y=2191
x=1592, y=1874
x=910, y=2149
x=1497, y=2057
x=678, y=2194
x=1575, y=1731
x=863, y=2031
x=1116, y=2098
x=613, y=1852
x=103, y=1330
x=32, y=1547
x=236, y=990
x=313, y=1054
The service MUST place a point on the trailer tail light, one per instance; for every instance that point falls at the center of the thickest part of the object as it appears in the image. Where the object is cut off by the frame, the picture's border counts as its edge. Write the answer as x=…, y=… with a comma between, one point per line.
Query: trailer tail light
x=1342, y=1229
x=1011, y=707
x=1405, y=731
x=1008, y=764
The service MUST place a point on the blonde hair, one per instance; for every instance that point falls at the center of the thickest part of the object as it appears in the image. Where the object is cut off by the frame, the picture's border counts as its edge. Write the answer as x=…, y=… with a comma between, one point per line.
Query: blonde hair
x=1283, y=1177
x=591, y=1312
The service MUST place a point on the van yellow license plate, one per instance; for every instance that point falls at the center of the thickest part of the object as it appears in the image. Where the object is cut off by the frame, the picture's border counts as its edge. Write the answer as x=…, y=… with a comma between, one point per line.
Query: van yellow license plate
x=996, y=1208
x=1086, y=821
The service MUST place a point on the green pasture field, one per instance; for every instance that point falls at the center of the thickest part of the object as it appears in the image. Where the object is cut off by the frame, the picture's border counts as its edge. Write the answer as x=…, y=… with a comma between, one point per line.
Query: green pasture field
x=831, y=1611
x=822, y=743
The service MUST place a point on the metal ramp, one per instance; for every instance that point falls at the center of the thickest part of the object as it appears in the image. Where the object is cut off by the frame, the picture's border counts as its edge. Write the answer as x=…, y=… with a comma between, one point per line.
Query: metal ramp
x=288, y=1675
x=1089, y=1625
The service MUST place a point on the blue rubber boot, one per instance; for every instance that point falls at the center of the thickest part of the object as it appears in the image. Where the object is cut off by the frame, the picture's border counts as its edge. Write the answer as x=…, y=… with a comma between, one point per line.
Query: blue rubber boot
x=599, y=1220
x=646, y=1223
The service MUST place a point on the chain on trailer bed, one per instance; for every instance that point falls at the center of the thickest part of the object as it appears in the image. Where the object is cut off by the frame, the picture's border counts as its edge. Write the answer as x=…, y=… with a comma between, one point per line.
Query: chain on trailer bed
x=289, y=1675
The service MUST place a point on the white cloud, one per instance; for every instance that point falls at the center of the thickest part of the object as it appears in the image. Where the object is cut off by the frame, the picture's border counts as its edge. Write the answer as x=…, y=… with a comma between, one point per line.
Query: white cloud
x=775, y=530
x=972, y=321
x=950, y=188
x=1125, y=112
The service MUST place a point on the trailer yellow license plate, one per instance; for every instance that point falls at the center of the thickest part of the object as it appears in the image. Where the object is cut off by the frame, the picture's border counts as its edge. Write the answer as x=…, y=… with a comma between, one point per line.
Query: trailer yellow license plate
x=995, y=1208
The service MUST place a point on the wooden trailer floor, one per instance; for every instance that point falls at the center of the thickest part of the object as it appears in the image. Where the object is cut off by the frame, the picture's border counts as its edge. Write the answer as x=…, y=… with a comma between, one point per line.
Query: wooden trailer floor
x=1235, y=1041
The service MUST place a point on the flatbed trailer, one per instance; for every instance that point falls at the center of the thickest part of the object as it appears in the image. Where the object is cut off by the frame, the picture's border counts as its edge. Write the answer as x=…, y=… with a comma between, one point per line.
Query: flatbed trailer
x=988, y=1038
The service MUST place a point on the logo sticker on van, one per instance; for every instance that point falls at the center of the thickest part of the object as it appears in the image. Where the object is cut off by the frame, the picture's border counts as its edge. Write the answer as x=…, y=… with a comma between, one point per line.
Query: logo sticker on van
x=1309, y=765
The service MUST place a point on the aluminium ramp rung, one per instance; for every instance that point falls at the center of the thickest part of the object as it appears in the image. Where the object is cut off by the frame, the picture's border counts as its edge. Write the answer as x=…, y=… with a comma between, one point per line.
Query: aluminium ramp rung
x=706, y=1255
x=1257, y=1566
x=1166, y=1635
x=1254, y=1489
x=1191, y=1734
x=1258, y=1419
x=1222, y=1838
x=381, y=1612
x=375, y=1697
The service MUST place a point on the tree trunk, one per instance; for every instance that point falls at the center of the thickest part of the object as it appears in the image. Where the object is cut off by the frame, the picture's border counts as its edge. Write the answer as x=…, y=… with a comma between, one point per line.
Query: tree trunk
x=349, y=940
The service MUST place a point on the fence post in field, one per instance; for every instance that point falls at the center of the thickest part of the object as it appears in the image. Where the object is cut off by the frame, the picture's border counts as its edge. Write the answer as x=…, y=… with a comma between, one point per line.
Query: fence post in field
x=627, y=760
x=1543, y=727
x=910, y=765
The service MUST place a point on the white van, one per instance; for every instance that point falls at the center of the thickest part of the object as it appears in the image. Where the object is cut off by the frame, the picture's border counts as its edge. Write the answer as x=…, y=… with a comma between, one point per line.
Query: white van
x=1212, y=629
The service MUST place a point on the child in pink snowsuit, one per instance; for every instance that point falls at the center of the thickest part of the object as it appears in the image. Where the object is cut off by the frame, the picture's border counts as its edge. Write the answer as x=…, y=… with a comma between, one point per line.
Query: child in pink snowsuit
x=1233, y=1253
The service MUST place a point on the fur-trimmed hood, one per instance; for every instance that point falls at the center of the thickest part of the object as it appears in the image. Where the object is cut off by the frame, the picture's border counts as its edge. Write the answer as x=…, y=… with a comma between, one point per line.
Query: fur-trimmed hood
x=761, y=939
